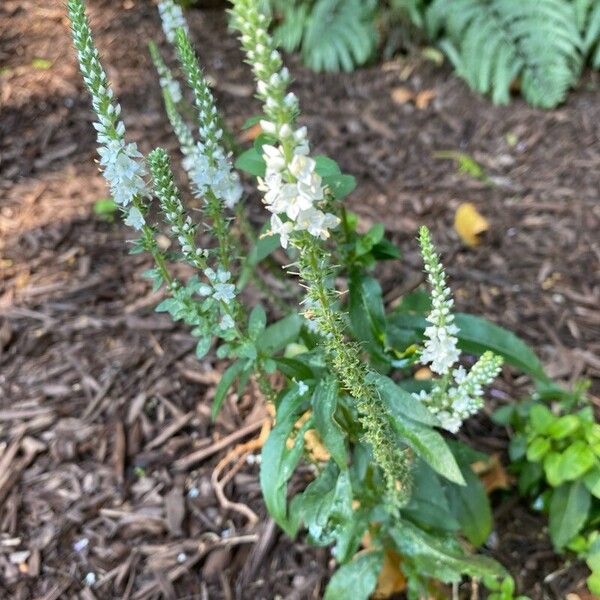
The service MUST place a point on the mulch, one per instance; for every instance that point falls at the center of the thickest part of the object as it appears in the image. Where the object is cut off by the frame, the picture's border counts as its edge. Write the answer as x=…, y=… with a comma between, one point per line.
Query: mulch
x=108, y=454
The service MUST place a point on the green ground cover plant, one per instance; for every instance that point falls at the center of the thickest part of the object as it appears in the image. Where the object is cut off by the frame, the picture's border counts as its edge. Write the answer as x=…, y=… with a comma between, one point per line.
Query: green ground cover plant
x=392, y=467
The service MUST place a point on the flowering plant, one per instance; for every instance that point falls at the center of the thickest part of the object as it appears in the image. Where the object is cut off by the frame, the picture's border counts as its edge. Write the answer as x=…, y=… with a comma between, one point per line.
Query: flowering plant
x=346, y=365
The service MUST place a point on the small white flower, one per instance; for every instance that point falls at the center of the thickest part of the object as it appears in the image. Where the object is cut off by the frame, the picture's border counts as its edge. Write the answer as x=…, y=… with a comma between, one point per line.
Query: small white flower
x=283, y=229
x=224, y=292
x=268, y=127
x=273, y=157
x=440, y=349
x=302, y=388
x=135, y=218
x=302, y=168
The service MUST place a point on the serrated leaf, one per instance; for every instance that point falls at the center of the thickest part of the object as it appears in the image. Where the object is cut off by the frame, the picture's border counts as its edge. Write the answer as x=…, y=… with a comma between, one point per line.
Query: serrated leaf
x=356, y=579
x=569, y=508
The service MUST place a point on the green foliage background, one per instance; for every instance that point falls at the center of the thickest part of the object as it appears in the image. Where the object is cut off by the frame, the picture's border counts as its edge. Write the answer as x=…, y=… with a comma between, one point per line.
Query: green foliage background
x=541, y=45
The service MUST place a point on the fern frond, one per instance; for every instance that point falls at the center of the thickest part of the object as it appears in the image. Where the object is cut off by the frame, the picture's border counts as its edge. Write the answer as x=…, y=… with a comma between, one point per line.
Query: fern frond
x=587, y=14
x=491, y=42
x=339, y=34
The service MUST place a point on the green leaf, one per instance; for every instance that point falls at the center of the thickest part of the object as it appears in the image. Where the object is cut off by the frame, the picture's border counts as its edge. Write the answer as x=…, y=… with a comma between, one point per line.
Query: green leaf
x=569, y=508
x=428, y=506
x=326, y=167
x=251, y=161
x=257, y=322
x=203, y=346
x=478, y=335
x=224, y=384
x=356, y=579
x=278, y=335
x=399, y=402
x=251, y=121
x=340, y=185
x=324, y=403
x=552, y=468
x=278, y=461
x=439, y=558
x=564, y=427
x=592, y=481
x=576, y=460
x=471, y=506
x=538, y=449
x=541, y=418
x=429, y=445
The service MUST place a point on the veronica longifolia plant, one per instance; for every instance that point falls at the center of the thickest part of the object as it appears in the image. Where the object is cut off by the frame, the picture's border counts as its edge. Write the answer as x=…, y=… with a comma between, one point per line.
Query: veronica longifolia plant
x=385, y=469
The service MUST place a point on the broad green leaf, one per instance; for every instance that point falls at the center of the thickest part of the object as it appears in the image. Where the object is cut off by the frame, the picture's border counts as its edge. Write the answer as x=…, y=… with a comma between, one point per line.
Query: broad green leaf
x=251, y=161
x=428, y=506
x=471, y=506
x=340, y=185
x=326, y=167
x=355, y=580
x=552, y=468
x=278, y=335
x=564, y=427
x=278, y=461
x=541, y=418
x=592, y=481
x=324, y=402
x=569, y=508
x=398, y=401
x=576, y=460
x=439, y=558
x=429, y=445
x=226, y=380
x=478, y=335
x=538, y=449
x=257, y=321
x=367, y=314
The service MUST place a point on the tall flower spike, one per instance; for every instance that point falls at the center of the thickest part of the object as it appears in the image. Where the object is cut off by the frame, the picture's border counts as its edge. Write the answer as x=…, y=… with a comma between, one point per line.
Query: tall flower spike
x=168, y=83
x=441, y=345
x=120, y=162
x=294, y=192
x=219, y=176
x=172, y=19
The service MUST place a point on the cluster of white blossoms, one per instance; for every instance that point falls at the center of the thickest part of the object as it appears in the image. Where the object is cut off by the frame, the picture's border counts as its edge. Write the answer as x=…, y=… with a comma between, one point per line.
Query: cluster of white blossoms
x=458, y=394
x=208, y=166
x=293, y=190
x=121, y=163
x=441, y=345
x=171, y=16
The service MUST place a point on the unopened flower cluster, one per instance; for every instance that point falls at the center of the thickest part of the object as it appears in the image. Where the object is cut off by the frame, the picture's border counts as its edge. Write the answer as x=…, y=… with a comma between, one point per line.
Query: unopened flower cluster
x=458, y=394
x=171, y=16
x=293, y=190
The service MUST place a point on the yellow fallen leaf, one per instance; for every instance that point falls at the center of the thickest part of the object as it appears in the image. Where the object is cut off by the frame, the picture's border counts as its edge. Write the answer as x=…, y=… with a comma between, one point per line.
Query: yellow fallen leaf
x=250, y=134
x=470, y=224
x=423, y=374
x=391, y=580
x=492, y=474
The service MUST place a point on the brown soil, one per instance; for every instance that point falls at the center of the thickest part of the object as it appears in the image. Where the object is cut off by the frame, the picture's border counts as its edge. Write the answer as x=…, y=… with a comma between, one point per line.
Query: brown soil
x=102, y=400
